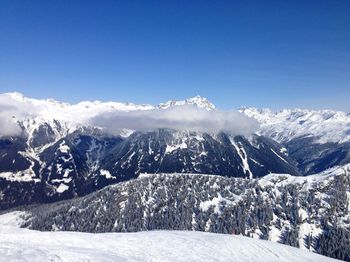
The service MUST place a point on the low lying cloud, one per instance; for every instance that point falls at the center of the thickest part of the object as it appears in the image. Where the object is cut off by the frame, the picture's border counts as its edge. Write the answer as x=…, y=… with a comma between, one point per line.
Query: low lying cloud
x=8, y=126
x=14, y=108
x=8, y=117
x=185, y=117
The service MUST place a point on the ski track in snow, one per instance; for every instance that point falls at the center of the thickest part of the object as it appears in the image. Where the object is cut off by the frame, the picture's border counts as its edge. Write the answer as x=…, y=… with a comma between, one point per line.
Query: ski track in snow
x=18, y=244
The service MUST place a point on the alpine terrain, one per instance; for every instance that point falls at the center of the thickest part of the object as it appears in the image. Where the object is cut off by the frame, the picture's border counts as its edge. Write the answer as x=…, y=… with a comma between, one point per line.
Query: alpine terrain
x=101, y=167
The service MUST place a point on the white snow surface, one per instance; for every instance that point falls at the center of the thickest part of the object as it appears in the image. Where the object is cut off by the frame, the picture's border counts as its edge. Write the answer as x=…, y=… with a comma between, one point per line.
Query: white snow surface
x=308, y=182
x=106, y=174
x=244, y=158
x=18, y=244
x=284, y=125
x=62, y=187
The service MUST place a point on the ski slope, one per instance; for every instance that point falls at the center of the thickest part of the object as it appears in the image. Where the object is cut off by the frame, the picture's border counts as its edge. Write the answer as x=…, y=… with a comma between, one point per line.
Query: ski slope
x=18, y=244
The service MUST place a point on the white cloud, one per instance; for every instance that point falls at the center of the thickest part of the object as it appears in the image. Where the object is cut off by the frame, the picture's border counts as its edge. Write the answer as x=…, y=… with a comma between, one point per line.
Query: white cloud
x=8, y=119
x=9, y=127
x=178, y=117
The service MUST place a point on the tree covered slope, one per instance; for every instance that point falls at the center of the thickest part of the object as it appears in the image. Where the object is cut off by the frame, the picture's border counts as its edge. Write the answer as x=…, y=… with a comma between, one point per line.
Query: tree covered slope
x=308, y=212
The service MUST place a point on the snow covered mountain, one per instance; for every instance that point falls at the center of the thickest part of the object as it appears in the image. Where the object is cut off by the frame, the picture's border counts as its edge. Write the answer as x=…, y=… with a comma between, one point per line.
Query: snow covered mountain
x=197, y=101
x=326, y=126
x=311, y=212
x=58, y=154
x=317, y=140
x=75, y=113
x=87, y=160
x=18, y=244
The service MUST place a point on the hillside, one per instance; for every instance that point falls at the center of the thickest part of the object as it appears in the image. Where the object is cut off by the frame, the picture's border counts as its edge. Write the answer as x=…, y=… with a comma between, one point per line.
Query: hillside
x=29, y=245
x=308, y=212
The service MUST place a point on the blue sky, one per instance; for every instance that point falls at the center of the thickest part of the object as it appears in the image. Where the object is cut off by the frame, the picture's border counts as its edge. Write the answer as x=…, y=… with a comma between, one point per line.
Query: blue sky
x=277, y=54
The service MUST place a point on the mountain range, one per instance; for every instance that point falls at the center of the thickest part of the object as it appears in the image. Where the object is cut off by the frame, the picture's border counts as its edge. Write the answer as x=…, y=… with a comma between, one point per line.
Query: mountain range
x=58, y=154
x=277, y=175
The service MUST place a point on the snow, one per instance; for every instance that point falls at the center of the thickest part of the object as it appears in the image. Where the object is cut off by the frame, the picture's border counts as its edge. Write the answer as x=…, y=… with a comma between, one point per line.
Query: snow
x=33, y=113
x=20, y=176
x=67, y=171
x=306, y=229
x=218, y=203
x=62, y=187
x=285, y=125
x=150, y=151
x=64, y=148
x=106, y=174
x=27, y=175
x=76, y=114
x=273, y=151
x=243, y=155
x=19, y=244
x=64, y=180
x=308, y=182
x=171, y=148
x=197, y=101
x=256, y=162
x=274, y=234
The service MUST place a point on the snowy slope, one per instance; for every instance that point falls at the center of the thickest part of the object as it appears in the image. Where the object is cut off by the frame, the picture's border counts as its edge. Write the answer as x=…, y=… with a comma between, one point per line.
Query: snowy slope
x=315, y=139
x=17, y=244
x=285, y=125
x=309, y=212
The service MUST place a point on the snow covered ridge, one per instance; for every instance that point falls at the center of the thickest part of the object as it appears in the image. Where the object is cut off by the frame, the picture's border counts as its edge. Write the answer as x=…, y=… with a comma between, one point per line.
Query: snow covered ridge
x=197, y=101
x=18, y=244
x=45, y=170
x=285, y=125
x=311, y=212
x=196, y=114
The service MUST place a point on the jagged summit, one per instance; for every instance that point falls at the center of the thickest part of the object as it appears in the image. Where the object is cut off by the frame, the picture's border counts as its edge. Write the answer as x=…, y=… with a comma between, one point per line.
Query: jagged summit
x=198, y=100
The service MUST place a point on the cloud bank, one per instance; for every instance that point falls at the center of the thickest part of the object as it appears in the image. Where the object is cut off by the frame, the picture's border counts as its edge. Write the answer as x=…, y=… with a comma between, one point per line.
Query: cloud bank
x=15, y=107
x=185, y=117
x=9, y=111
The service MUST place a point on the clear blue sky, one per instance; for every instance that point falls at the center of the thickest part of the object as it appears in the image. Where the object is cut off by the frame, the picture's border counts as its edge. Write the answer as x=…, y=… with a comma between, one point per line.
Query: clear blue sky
x=262, y=53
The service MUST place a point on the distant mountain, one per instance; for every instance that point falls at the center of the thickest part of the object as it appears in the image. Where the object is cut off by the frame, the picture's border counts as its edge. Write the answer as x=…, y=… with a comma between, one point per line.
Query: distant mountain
x=197, y=101
x=325, y=126
x=316, y=139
